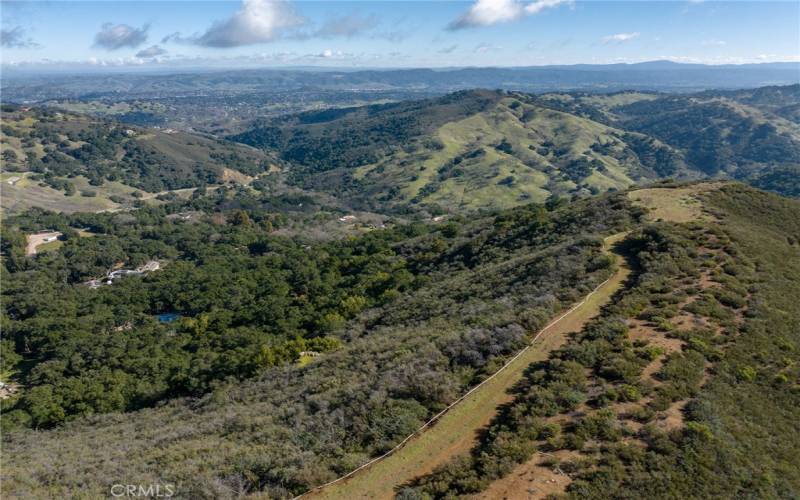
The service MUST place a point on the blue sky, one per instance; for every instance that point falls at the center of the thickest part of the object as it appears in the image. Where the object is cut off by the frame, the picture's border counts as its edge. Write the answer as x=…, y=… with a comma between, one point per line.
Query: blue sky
x=366, y=33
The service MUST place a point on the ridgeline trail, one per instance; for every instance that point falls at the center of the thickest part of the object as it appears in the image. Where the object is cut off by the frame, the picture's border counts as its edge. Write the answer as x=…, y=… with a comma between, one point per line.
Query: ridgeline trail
x=454, y=431
x=678, y=205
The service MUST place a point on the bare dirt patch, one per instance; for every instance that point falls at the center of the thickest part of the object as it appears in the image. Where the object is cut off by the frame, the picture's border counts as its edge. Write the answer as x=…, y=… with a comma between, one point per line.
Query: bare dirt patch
x=672, y=417
x=38, y=239
x=533, y=480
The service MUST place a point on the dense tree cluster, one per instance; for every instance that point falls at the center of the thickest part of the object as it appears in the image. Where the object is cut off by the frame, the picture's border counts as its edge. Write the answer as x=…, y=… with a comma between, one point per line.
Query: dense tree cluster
x=415, y=315
x=248, y=300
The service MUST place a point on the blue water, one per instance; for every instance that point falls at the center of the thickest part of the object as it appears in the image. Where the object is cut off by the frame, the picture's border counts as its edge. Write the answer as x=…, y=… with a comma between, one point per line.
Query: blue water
x=168, y=317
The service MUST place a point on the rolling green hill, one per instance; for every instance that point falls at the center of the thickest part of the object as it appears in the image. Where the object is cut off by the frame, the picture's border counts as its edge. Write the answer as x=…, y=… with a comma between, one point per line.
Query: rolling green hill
x=495, y=149
x=718, y=135
x=62, y=160
x=751, y=135
x=782, y=101
x=467, y=150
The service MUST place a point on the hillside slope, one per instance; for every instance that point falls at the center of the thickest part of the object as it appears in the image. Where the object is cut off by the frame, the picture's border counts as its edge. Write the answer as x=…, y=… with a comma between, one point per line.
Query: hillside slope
x=685, y=384
x=457, y=430
x=467, y=150
x=686, y=387
x=404, y=320
x=51, y=151
x=496, y=149
x=751, y=135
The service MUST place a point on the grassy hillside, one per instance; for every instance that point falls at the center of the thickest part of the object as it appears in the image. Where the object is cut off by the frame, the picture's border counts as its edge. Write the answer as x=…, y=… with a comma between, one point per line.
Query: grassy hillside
x=738, y=136
x=684, y=387
x=494, y=149
x=751, y=135
x=782, y=101
x=22, y=191
x=54, y=159
x=468, y=150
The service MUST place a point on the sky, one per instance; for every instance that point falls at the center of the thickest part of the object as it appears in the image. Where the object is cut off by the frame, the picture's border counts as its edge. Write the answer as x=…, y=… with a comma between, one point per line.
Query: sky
x=366, y=33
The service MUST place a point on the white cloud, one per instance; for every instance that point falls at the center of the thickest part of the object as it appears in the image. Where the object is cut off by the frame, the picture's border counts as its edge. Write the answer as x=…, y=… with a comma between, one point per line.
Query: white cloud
x=176, y=37
x=448, y=50
x=714, y=43
x=540, y=5
x=620, y=37
x=263, y=21
x=116, y=36
x=15, y=38
x=336, y=57
x=152, y=51
x=347, y=26
x=489, y=12
x=257, y=21
x=119, y=61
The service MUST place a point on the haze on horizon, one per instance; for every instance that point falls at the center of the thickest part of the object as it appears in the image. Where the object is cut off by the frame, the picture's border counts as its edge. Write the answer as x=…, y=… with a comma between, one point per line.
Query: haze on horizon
x=158, y=36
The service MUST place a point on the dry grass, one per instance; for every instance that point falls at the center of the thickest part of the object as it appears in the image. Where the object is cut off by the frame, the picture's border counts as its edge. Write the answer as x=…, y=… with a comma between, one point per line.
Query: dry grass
x=674, y=204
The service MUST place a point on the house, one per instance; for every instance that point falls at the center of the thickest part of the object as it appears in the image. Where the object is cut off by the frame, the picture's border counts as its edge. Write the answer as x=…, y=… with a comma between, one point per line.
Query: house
x=149, y=266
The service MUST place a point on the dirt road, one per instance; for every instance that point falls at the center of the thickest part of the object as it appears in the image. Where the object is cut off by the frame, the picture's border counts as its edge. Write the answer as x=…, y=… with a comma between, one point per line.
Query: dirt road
x=34, y=240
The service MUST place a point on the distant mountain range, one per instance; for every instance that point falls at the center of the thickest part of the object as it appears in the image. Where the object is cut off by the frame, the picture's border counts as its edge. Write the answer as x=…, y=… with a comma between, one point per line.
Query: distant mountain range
x=654, y=75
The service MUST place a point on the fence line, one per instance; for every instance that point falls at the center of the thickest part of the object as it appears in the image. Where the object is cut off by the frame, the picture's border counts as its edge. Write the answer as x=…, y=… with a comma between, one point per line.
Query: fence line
x=460, y=399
